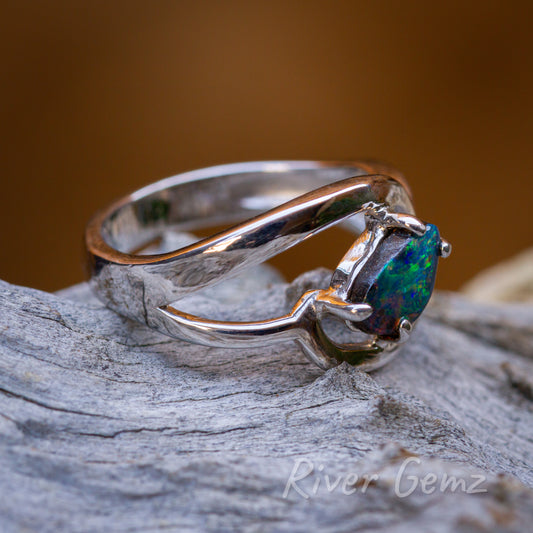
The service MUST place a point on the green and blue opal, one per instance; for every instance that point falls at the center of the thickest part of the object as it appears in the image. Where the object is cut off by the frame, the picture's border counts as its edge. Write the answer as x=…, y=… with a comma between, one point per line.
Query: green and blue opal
x=398, y=280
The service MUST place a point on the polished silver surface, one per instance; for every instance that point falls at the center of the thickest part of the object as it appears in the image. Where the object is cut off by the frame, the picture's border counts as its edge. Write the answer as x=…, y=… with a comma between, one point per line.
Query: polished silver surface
x=445, y=248
x=282, y=203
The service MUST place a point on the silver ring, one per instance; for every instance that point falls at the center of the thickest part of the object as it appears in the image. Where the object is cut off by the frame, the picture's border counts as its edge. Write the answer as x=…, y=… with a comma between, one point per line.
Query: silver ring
x=377, y=291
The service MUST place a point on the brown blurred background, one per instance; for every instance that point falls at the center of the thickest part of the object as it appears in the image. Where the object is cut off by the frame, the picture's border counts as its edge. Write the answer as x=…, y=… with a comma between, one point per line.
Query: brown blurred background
x=99, y=98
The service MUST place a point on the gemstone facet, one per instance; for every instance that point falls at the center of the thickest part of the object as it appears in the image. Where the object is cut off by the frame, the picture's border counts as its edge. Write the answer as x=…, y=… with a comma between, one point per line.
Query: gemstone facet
x=397, y=280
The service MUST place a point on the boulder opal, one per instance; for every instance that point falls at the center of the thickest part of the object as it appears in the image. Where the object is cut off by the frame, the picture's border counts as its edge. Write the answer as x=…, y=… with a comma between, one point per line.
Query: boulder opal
x=397, y=280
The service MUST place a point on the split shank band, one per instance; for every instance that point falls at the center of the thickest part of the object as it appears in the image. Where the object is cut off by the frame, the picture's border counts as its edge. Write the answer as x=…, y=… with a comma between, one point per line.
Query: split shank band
x=271, y=207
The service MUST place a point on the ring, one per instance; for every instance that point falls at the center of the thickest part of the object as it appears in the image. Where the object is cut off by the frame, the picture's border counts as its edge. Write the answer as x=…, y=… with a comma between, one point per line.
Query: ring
x=377, y=291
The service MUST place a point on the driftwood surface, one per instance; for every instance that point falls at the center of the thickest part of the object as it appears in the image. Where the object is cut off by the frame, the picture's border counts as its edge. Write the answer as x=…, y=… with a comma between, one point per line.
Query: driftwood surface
x=108, y=426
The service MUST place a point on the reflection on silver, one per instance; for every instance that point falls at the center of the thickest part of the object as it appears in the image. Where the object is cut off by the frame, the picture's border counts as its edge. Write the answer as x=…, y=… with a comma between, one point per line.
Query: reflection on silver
x=302, y=198
x=445, y=248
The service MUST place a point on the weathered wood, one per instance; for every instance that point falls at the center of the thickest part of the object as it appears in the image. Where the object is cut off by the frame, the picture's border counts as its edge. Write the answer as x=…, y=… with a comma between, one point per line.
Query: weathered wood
x=510, y=281
x=108, y=426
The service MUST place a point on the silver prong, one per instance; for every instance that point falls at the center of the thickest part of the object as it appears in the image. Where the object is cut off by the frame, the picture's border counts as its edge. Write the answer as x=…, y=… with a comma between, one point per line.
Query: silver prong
x=353, y=312
x=381, y=214
x=404, y=329
x=445, y=248
x=409, y=222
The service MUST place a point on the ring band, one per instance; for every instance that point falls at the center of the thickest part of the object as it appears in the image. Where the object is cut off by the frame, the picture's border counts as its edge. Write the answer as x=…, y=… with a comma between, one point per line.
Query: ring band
x=379, y=288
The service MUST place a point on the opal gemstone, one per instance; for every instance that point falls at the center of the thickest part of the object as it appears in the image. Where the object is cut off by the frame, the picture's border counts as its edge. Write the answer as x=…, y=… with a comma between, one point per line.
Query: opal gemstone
x=397, y=281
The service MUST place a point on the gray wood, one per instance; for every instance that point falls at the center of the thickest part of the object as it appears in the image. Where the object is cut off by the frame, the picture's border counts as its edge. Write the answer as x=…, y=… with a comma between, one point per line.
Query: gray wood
x=511, y=280
x=108, y=426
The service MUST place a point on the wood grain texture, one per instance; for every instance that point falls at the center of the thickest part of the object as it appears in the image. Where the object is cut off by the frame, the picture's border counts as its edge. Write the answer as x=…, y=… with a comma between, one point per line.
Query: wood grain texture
x=108, y=426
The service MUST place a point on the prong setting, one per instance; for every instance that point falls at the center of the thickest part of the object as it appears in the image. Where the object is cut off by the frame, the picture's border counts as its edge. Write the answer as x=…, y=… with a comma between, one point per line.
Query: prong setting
x=405, y=329
x=328, y=303
x=380, y=213
x=445, y=248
